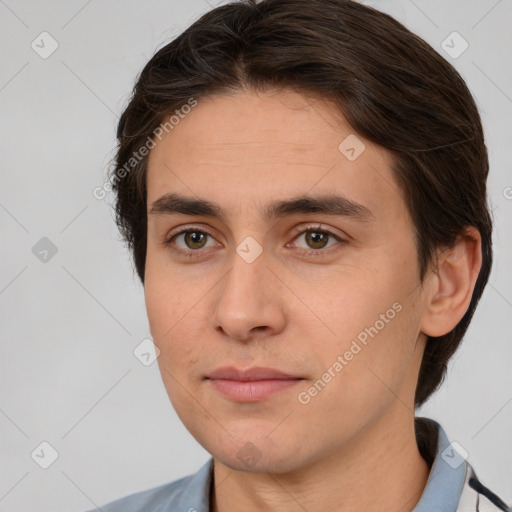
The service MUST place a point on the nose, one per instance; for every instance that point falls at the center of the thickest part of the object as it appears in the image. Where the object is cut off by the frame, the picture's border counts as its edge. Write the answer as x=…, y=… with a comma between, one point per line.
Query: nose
x=248, y=304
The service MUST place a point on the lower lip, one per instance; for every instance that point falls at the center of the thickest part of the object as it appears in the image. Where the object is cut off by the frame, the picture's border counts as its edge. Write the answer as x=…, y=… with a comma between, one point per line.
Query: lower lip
x=251, y=391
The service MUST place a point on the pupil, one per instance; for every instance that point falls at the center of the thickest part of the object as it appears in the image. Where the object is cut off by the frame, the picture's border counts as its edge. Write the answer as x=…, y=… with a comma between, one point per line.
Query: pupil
x=317, y=240
x=194, y=238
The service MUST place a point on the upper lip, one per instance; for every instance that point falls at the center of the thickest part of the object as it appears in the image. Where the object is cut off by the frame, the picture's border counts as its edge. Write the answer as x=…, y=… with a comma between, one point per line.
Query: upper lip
x=250, y=374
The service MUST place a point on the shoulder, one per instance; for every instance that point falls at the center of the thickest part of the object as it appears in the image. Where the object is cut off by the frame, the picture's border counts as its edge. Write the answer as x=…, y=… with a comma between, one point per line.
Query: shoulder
x=452, y=484
x=189, y=494
x=150, y=500
x=476, y=497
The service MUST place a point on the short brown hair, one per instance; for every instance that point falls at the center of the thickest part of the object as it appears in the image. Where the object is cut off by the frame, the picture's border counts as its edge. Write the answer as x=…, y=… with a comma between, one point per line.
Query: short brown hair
x=390, y=85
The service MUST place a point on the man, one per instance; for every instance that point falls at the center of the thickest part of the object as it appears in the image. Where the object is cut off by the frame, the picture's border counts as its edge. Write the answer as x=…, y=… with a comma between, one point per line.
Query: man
x=303, y=186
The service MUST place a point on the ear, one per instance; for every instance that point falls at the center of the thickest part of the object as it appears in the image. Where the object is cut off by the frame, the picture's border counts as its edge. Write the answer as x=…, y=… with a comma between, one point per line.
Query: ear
x=452, y=284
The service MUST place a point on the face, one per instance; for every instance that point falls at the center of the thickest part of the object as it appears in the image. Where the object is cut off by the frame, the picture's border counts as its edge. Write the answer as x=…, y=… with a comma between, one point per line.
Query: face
x=277, y=239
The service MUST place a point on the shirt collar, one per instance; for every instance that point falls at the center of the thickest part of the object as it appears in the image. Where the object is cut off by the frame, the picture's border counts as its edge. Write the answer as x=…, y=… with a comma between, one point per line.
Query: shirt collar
x=195, y=496
x=442, y=492
x=446, y=479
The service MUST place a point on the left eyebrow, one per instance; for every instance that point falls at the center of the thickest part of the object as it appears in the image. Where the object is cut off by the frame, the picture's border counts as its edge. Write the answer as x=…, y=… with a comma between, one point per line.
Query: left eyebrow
x=325, y=204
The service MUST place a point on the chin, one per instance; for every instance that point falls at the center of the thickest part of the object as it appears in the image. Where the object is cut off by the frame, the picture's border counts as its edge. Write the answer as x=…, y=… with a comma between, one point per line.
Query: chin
x=256, y=454
x=259, y=464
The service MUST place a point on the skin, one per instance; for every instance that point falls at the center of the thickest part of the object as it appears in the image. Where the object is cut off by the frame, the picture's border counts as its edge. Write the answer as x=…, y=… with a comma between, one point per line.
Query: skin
x=352, y=446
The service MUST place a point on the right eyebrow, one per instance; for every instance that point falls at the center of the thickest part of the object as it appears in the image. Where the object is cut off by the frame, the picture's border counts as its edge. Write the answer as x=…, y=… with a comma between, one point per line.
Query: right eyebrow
x=175, y=203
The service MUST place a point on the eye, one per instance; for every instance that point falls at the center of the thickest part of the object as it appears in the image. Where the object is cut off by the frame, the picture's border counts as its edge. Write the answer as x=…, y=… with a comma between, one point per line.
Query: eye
x=190, y=240
x=313, y=239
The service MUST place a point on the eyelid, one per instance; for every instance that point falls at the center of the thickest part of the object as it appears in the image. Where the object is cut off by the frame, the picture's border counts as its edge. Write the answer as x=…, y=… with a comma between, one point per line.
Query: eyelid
x=184, y=229
x=317, y=226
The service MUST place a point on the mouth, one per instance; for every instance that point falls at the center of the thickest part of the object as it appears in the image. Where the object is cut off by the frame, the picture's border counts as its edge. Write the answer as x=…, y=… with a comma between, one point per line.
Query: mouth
x=252, y=385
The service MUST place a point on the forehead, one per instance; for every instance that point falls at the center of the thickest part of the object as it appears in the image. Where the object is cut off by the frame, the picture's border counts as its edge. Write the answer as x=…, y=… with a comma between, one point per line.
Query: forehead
x=245, y=146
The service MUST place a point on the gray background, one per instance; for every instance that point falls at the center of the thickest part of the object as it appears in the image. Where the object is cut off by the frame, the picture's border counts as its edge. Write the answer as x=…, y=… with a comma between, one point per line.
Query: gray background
x=69, y=325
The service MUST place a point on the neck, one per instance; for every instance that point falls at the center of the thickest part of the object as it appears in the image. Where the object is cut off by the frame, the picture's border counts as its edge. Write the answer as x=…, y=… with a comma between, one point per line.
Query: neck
x=382, y=469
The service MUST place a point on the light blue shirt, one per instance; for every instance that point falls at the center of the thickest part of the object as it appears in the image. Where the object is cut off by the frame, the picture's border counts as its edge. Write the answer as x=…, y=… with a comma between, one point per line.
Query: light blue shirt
x=452, y=486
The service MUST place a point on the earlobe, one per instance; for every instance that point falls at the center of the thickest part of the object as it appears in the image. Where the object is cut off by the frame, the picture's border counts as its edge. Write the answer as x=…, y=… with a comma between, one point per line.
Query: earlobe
x=452, y=284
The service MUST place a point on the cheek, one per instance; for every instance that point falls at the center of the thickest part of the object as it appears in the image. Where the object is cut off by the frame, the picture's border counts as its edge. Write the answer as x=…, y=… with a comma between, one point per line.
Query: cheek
x=347, y=307
x=375, y=320
x=367, y=380
x=158, y=307
x=173, y=320
x=162, y=293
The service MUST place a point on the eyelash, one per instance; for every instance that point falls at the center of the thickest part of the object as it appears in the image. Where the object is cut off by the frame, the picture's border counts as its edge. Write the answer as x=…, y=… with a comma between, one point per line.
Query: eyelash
x=193, y=253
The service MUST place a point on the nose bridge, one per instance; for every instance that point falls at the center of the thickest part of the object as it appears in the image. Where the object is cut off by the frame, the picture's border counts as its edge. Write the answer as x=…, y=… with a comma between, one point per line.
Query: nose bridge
x=245, y=300
x=243, y=286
